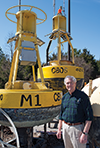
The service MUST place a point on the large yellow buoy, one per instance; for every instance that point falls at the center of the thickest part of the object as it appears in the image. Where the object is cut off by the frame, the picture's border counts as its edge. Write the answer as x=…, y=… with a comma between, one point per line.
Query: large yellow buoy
x=55, y=71
x=27, y=103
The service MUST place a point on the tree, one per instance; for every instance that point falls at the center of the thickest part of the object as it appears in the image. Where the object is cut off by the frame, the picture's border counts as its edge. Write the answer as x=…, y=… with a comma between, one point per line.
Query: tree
x=53, y=56
x=1, y=54
x=10, y=45
x=98, y=64
x=4, y=68
x=88, y=69
x=24, y=72
x=87, y=62
x=83, y=59
x=77, y=53
x=90, y=60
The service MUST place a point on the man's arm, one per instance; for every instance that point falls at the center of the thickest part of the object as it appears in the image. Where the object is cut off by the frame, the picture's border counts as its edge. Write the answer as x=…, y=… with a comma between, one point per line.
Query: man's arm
x=59, y=129
x=83, y=137
x=87, y=126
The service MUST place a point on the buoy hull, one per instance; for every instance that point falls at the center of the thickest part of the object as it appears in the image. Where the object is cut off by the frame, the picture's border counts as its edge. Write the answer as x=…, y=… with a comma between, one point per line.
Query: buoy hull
x=28, y=108
x=55, y=76
x=30, y=117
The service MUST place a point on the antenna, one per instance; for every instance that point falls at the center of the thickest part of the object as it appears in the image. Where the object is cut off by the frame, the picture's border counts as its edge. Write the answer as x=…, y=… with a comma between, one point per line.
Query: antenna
x=64, y=7
x=69, y=28
x=54, y=7
x=19, y=4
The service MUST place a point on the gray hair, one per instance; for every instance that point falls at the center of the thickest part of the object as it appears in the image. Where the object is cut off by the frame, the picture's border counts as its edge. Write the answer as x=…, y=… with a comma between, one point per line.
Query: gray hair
x=70, y=77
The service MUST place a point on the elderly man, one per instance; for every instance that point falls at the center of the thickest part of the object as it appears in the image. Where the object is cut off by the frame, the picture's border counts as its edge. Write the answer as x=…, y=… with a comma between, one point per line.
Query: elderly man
x=76, y=115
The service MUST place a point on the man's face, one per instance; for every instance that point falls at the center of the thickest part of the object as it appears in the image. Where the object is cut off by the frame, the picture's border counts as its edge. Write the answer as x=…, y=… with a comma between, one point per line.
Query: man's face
x=70, y=85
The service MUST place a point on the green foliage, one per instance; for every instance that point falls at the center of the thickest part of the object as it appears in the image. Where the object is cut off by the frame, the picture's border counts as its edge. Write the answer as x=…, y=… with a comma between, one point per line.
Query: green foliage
x=1, y=54
x=4, y=68
x=83, y=59
x=53, y=57
x=88, y=69
x=90, y=60
x=24, y=72
x=77, y=53
x=98, y=65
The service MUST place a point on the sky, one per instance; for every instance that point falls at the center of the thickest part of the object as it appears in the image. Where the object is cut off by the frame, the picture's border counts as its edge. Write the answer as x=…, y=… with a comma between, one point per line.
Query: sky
x=85, y=24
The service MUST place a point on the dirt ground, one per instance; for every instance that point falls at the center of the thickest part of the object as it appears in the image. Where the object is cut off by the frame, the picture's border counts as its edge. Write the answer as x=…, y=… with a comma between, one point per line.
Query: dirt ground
x=51, y=140
x=41, y=139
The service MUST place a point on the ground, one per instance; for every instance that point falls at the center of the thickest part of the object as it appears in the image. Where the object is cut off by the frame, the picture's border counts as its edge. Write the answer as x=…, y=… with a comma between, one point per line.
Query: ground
x=40, y=138
x=51, y=140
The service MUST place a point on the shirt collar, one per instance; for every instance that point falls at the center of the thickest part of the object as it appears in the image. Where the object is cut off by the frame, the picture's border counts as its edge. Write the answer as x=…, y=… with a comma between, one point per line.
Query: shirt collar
x=73, y=92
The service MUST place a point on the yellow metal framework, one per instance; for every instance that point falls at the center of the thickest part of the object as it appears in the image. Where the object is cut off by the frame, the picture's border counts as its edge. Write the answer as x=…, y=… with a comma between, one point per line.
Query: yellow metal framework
x=31, y=7
x=56, y=70
x=35, y=98
x=59, y=31
x=24, y=33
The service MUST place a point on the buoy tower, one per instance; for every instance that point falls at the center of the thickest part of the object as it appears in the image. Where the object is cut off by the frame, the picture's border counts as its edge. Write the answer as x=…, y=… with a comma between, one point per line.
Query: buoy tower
x=55, y=71
x=25, y=104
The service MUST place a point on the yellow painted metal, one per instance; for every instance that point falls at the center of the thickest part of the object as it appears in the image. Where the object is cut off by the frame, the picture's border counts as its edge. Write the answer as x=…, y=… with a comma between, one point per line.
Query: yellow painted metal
x=15, y=67
x=26, y=31
x=28, y=22
x=55, y=74
x=32, y=98
x=20, y=22
x=71, y=48
x=34, y=77
x=59, y=29
x=57, y=70
x=34, y=85
x=28, y=37
x=61, y=71
x=39, y=64
x=12, y=67
x=59, y=22
x=31, y=7
x=59, y=48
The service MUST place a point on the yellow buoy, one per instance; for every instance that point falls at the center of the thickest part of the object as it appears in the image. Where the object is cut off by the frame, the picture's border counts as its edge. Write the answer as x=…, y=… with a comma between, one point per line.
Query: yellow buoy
x=55, y=71
x=28, y=103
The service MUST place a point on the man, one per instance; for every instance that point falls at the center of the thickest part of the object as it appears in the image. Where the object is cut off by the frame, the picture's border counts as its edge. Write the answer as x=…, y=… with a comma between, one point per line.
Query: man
x=76, y=115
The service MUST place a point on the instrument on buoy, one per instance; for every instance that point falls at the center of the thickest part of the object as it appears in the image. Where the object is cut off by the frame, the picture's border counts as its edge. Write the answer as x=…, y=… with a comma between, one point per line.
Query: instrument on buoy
x=28, y=103
x=55, y=71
